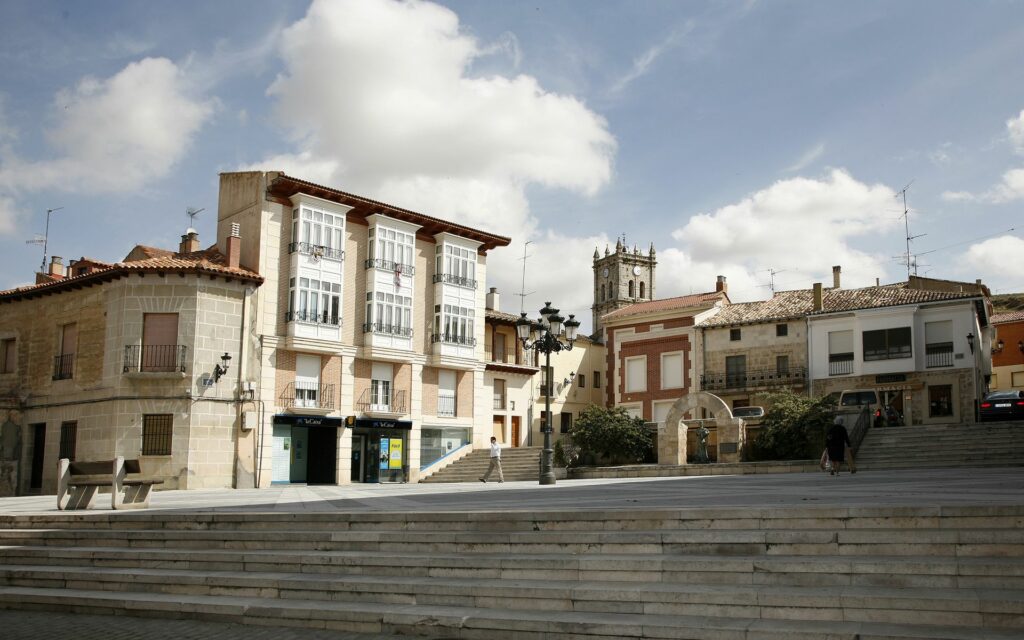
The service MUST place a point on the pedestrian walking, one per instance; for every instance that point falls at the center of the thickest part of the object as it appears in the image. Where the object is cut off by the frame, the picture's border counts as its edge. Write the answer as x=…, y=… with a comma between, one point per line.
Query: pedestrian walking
x=837, y=444
x=495, y=461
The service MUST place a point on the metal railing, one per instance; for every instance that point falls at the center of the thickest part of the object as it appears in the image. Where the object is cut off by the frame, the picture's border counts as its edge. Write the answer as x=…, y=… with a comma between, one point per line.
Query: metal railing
x=453, y=279
x=860, y=429
x=448, y=338
x=840, y=364
x=753, y=378
x=154, y=358
x=387, y=329
x=308, y=395
x=316, y=250
x=446, y=406
x=313, y=318
x=938, y=355
x=389, y=265
x=64, y=366
x=382, y=403
x=499, y=402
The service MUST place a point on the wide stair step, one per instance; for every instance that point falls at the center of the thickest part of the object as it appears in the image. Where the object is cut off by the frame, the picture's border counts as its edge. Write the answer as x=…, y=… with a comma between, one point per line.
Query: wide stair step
x=937, y=446
x=517, y=463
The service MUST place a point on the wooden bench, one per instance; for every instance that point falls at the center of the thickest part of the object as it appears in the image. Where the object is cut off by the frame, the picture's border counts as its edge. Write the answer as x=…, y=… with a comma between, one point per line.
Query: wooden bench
x=78, y=483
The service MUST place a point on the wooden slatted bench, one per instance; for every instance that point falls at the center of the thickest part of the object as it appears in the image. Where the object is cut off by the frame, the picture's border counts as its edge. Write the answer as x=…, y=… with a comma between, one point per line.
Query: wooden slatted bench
x=79, y=482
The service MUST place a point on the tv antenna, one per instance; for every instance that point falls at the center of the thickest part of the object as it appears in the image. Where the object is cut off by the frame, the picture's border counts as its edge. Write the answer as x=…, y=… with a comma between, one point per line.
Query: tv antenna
x=522, y=290
x=908, y=259
x=192, y=212
x=771, y=277
x=42, y=240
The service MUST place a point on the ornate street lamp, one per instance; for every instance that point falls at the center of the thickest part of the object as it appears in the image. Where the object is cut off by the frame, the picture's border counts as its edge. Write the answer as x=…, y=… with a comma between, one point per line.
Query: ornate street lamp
x=546, y=336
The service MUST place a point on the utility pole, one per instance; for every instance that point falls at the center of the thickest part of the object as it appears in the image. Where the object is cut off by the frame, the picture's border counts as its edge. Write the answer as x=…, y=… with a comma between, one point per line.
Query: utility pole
x=910, y=259
x=522, y=290
x=46, y=238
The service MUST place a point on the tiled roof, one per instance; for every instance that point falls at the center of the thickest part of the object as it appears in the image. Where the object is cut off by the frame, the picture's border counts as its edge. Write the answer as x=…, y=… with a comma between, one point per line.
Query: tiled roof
x=511, y=318
x=1012, y=316
x=207, y=262
x=785, y=304
x=666, y=304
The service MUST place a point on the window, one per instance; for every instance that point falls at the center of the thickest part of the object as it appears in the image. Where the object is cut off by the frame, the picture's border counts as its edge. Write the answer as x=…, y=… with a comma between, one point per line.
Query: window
x=565, y=423
x=455, y=265
x=499, y=395
x=734, y=335
x=546, y=381
x=1016, y=379
x=781, y=330
x=581, y=380
x=307, y=381
x=545, y=420
x=660, y=410
x=313, y=229
x=940, y=400
x=636, y=374
x=671, y=370
x=455, y=325
x=156, y=434
x=316, y=301
x=389, y=313
x=597, y=379
x=887, y=344
x=68, y=440
x=840, y=352
x=64, y=363
x=446, y=404
x=498, y=347
x=391, y=250
x=8, y=355
x=641, y=289
x=782, y=365
x=630, y=288
x=735, y=371
x=380, y=386
x=160, y=342
x=938, y=344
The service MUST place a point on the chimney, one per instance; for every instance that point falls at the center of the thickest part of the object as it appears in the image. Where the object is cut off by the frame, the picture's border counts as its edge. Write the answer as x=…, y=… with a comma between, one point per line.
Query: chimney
x=817, y=296
x=722, y=285
x=234, y=246
x=56, y=269
x=189, y=242
x=878, y=282
x=836, y=271
x=492, y=299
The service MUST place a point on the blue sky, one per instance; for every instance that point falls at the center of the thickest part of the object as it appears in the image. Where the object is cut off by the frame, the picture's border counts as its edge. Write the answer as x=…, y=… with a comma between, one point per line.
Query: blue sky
x=739, y=137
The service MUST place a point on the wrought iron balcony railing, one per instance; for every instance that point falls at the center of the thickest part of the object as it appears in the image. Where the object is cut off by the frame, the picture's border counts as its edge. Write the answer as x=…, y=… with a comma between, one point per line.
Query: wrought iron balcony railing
x=388, y=265
x=751, y=378
x=446, y=406
x=387, y=329
x=938, y=355
x=308, y=395
x=154, y=358
x=64, y=366
x=316, y=250
x=453, y=279
x=381, y=402
x=313, y=318
x=447, y=338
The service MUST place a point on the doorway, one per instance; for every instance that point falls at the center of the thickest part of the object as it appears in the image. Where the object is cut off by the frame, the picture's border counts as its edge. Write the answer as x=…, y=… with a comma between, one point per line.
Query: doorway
x=38, y=451
x=322, y=454
x=515, y=431
x=304, y=454
x=358, y=453
x=498, y=430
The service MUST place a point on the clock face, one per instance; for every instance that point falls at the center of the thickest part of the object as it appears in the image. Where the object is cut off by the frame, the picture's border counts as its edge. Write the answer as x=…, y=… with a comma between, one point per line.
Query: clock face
x=636, y=271
x=605, y=272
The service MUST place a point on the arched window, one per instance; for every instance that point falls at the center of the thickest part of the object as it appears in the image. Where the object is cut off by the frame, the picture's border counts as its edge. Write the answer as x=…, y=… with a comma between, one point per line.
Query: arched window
x=631, y=289
x=602, y=293
x=641, y=289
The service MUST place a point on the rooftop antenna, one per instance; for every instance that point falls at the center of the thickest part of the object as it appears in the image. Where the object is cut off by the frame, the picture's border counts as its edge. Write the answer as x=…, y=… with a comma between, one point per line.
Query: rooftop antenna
x=192, y=212
x=909, y=259
x=771, y=275
x=43, y=239
x=522, y=290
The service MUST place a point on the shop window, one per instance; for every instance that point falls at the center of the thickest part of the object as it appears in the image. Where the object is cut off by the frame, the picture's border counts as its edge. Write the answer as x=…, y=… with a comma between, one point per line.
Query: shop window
x=156, y=434
x=940, y=400
x=437, y=443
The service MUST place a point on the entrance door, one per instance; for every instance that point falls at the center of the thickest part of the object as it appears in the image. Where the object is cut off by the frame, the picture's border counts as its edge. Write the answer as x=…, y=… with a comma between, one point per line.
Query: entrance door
x=38, y=449
x=300, y=454
x=498, y=431
x=515, y=431
x=323, y=456
x=282, y=454
x=358, y=444
x=371, y=461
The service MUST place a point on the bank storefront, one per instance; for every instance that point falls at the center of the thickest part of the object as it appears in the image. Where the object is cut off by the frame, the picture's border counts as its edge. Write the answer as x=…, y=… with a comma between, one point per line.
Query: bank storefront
x=380, y=450
x=305, y=449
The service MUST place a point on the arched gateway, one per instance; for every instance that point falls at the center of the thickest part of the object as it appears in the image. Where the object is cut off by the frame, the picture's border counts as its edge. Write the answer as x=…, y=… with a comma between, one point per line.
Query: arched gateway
x=672, y=434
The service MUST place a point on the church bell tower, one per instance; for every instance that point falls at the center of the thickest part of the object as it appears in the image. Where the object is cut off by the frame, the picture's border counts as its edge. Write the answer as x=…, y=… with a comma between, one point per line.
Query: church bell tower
x=621, y=278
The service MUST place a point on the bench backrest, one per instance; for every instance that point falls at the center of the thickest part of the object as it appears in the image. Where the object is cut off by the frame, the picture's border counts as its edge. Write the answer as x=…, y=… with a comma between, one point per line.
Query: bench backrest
x=101, y=467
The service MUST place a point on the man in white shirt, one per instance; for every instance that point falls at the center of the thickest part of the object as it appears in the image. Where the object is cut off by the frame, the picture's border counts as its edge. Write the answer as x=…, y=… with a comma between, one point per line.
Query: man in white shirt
x=495, y=461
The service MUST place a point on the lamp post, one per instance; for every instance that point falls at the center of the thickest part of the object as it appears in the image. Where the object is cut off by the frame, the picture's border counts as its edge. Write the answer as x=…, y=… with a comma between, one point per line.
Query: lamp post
x=546, y=336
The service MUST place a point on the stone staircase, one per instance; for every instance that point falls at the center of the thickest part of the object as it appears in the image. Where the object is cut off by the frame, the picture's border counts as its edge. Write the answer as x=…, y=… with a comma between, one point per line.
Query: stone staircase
x=517, y=463
x=725, y=573
x=986, y=444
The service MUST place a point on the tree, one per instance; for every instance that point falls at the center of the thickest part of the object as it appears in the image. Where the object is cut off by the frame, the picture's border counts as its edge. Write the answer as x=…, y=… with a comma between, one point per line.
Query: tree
x=612, y=436
x=792, y=428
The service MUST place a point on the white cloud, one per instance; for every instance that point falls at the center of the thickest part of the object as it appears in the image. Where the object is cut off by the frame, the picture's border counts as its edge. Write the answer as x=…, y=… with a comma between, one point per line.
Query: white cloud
x=9, y=214
x=999, y=261
x=642, y=64
x=1009, y=189
x=805, y=160
x=1015, y=127
x=799, y=227
x=115, y=134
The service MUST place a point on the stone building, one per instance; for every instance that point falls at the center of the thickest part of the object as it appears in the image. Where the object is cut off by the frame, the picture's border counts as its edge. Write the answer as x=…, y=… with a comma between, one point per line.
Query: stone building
x=103, y=360
x=1008, y=351
x=621, y=279
x=509, y=377
x=366, y=344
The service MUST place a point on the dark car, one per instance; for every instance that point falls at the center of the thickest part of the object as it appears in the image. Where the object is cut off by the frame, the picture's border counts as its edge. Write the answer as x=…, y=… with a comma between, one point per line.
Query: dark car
x=1003, y=405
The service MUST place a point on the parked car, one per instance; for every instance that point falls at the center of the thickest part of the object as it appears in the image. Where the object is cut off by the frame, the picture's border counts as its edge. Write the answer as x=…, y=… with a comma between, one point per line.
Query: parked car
x=1002, y=405
x=748, y=413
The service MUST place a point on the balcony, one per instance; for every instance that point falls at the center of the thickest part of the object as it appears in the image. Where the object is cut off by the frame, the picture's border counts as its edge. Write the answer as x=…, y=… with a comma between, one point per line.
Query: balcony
x=308, y=396
x=317, y=251
x=446, y=406
x=388, y=265
x=938, y=355
x=718, y=381
x=456, y=280
x=312, y=318
x=840, y=364
x=447, y=338
x=387, y=329
x=64, y=366
x=381, y=403
x=155, y=358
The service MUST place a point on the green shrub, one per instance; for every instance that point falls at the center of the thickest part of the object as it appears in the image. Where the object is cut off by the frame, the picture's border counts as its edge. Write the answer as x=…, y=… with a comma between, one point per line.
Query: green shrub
x=792, y=428
x=612, y=436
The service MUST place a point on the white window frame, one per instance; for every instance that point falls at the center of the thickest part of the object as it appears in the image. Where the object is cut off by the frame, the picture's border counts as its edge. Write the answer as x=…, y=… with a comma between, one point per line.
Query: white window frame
x=682, y=370
x=643, y=379
x=381, y=387
x=454, y=324
x=314, y=301
x=447, y=405
x=456, y=265
x=315, y=228
x=393, y=248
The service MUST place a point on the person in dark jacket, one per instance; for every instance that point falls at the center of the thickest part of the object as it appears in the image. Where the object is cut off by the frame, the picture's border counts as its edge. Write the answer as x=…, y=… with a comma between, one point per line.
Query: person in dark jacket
x=837, y=441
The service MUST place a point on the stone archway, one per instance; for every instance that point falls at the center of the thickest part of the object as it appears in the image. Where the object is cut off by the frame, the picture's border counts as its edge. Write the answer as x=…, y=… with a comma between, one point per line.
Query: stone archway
x=672, y=434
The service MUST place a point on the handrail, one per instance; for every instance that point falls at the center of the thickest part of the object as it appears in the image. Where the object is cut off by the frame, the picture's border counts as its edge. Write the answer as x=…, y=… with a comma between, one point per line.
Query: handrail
x=389, y=265
x=860, y=429
x=316, y=250
x=394, y=404
x=313, y=395
x=154, y=358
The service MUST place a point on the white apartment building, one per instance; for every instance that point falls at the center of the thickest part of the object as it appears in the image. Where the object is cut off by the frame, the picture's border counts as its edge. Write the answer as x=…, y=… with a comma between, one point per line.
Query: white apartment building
x=365, y=345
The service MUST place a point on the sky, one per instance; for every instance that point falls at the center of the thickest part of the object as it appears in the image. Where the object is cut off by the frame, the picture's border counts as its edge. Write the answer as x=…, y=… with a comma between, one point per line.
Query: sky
x=765, y=141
